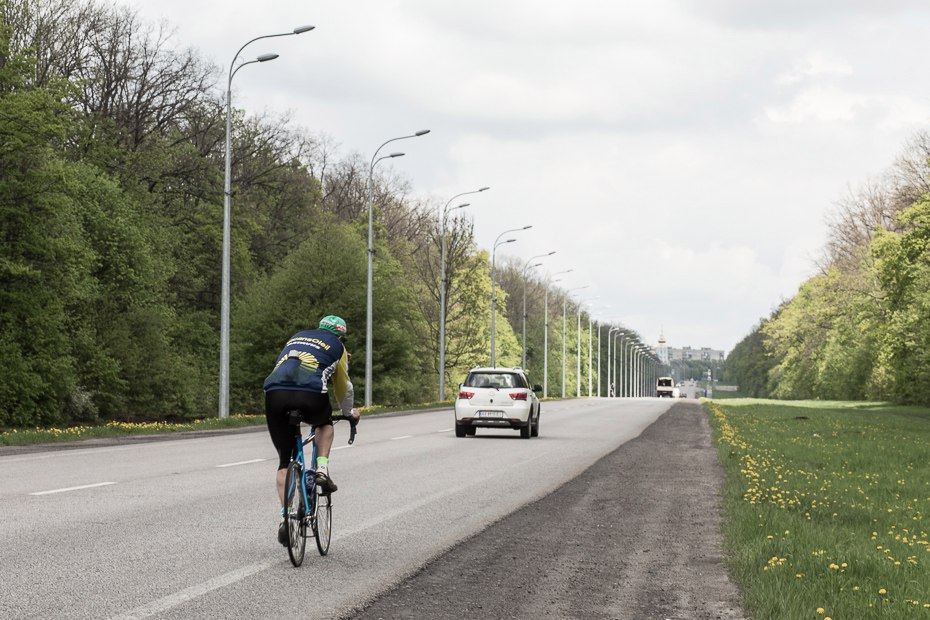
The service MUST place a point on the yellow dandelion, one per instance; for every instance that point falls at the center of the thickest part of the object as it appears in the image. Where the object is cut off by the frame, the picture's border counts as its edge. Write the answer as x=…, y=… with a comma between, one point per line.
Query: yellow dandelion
x=820, y=610
x=882, y=591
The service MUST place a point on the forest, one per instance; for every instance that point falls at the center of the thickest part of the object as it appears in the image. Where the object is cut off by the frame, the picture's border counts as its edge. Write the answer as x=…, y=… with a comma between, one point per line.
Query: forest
x=859, y=329
x=112, y=155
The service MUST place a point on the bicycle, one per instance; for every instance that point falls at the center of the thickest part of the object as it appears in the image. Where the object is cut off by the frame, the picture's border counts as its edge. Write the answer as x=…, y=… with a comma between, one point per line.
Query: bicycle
x=306, y=505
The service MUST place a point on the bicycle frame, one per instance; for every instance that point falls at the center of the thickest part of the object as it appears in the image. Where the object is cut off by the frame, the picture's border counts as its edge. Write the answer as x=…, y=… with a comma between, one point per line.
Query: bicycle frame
x=299, y=458
x=312, y=509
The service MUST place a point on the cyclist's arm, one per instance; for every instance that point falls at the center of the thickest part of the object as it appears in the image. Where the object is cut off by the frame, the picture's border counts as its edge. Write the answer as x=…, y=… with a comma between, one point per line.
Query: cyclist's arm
x=345, y=393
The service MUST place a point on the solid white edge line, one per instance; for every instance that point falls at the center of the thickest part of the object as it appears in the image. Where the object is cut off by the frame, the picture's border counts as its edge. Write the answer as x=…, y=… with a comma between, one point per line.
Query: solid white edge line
x=243, y=463
x=445, y=430
x=83, y=486
x=339, y=448
x=401, y=437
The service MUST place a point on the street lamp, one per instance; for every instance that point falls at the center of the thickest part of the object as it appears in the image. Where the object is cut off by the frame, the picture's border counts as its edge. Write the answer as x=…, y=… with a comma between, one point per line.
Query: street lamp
x=621, y=334
x=526, y=267
x=638, y=371
x=564, y=334
x=371, y=252
x=227, y=215
x=442, y=290
x=497, y=242
x=609, y=360
x=579, y=348
x=546, y=336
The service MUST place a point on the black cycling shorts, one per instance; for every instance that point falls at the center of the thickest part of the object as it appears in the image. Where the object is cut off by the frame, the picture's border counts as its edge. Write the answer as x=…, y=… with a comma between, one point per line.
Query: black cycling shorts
x=315, y=409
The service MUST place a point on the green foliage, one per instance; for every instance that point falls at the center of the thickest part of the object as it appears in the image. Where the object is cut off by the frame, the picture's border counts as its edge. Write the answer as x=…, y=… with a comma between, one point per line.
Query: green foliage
x=326, y=274
x=902, y=264
x=858, y=332
x=748, y=365
x=826, y=507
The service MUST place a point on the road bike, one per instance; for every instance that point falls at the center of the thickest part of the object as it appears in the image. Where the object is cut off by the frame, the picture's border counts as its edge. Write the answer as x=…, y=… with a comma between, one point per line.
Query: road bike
x=306, y=504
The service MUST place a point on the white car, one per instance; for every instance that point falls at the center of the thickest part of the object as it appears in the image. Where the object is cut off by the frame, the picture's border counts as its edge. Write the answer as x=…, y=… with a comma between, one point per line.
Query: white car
x=497, y=398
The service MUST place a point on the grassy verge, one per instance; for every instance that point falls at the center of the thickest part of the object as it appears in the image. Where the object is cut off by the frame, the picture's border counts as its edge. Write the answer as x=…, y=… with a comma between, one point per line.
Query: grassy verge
x=827, y=507
x=22, y=437
x=30, y=436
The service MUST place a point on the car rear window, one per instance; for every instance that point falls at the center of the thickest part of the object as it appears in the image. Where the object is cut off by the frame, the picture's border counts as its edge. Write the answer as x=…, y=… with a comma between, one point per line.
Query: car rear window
x=665, y=383
x=495, y=380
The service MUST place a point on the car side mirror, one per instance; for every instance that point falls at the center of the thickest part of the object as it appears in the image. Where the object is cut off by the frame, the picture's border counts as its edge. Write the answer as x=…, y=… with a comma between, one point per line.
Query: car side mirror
x=537, y=388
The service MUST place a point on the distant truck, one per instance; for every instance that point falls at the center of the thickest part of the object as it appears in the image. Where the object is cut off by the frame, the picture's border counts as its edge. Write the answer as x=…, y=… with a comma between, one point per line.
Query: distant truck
x=665, y=388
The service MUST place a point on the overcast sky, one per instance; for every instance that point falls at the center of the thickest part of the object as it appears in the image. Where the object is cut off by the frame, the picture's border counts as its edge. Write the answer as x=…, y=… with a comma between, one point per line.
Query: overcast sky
x=680, y=156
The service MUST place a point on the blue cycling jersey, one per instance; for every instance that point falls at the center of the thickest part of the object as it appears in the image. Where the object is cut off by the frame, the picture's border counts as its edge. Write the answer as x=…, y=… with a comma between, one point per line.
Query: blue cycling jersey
x=308, y=362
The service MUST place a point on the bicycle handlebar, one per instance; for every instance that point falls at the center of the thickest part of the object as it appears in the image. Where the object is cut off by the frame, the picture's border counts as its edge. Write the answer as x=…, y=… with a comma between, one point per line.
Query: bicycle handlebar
x=352, y=424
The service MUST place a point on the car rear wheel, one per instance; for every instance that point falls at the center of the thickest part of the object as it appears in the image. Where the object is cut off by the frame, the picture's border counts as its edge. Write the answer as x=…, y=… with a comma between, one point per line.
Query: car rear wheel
x=526, y=431
x=460, y=430
x=536, y=426
x=470, y=430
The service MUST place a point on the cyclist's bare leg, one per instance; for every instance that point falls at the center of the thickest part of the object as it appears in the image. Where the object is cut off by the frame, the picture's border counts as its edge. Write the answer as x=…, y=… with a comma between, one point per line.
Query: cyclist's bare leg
x=282, y=474
x=323, y=440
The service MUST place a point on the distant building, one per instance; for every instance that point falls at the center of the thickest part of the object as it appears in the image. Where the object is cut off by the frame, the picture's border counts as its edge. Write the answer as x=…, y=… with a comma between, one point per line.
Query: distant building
x=688, y=353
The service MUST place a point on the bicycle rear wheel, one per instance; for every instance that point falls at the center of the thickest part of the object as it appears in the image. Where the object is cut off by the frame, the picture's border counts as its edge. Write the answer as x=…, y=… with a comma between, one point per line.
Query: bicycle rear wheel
x=323, y=520
x=295, y=513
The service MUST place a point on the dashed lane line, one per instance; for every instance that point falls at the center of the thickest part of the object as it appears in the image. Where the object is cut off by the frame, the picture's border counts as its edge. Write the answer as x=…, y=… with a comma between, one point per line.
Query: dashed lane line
x=242, y=463
x=78, y=488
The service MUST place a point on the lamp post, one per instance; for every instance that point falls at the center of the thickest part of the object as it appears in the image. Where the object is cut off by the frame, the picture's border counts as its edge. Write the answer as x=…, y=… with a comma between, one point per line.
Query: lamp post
x=630, y=345
x=578, y=387
x=442, y=289
x=623, y=334
x=619, y=389
x=227, y=216
x=638, y=372
x=546, y=337
x=526, y=267
x=497, y=242
x=634, y=374
x=564, y=333
x=589, y=354
x=611, y=378
x=371, y=252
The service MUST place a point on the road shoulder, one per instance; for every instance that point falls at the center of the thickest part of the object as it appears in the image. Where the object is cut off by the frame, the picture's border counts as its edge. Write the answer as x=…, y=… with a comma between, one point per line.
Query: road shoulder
x=637, y=535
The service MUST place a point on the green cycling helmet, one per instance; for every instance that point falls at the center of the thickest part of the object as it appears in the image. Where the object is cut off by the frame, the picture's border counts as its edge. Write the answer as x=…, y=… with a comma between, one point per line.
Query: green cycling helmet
x=334, y=324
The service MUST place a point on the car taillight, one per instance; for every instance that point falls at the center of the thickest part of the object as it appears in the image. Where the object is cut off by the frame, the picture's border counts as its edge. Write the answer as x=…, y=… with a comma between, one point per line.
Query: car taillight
x=466, y=395
x=518, y=395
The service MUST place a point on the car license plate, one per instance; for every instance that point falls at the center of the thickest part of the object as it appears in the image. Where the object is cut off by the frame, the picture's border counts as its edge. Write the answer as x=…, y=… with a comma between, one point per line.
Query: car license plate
x=490, y=414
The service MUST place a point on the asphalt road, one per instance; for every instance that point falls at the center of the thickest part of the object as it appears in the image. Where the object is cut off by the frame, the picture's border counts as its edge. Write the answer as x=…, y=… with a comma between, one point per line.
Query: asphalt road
x=634, y=537
x=186, y=528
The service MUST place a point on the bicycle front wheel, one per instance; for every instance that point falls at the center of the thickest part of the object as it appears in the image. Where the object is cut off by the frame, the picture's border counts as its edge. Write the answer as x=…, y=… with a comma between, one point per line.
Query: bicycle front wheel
x=295, y=513
x=323, y=520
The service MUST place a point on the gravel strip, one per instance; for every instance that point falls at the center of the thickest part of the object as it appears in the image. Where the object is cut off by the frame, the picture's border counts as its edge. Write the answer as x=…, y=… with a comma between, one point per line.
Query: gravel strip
x=636, y=536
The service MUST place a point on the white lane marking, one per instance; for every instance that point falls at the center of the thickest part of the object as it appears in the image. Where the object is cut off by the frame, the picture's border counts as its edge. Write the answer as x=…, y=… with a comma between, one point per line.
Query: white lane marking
x=445, y=430
x=227, y=579
x=173, y=600
x=340, y=448
x=83, y=486
x=243, y=463
x=401, y=437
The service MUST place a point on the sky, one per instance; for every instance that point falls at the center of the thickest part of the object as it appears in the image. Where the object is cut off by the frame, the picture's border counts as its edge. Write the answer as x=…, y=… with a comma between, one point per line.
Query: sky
x=681, y=157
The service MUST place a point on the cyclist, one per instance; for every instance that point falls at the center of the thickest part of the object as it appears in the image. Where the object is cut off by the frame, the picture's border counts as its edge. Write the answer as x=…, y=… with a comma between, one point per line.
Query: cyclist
x=310, y=361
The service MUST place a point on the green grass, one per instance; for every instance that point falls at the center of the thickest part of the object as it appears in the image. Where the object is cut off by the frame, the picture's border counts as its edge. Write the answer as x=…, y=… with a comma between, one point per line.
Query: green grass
x=725, y=395
x=22, y=437
x=827, y=507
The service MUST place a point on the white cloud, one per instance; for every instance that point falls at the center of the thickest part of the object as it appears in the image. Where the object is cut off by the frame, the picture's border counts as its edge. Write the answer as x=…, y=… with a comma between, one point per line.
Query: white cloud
x=702, y=139
x=818, y=104
x=815, y=65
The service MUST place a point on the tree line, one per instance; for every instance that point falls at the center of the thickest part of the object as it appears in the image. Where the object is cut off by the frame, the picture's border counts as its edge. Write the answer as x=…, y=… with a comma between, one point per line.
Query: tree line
x=860, y=328
x=111, y=207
